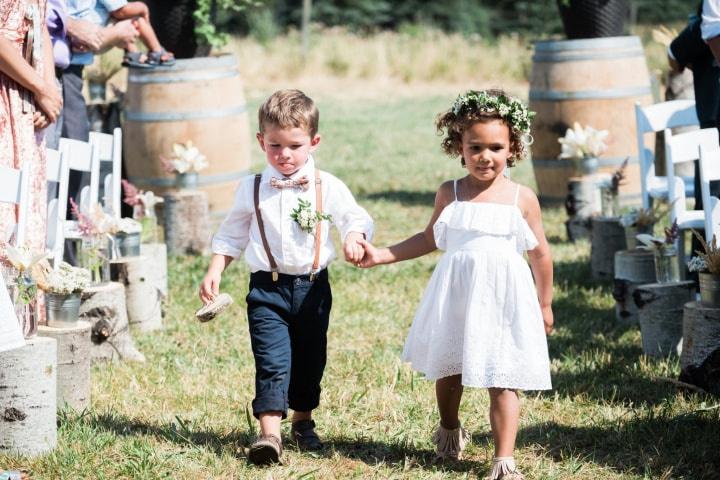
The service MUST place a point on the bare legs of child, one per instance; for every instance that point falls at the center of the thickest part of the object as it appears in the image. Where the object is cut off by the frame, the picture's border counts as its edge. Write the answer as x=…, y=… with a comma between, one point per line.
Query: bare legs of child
x=156, y=53
x=451, y=438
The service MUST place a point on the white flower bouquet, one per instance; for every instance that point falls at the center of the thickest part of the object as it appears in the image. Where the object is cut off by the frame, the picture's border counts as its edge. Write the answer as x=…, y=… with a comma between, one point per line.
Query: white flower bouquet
x=580, y=143
x=65, y=280
x=185, y=158
x=306, y=217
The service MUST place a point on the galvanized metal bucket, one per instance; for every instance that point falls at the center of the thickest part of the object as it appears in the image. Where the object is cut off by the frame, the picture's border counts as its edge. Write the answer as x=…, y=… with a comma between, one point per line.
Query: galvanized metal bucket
x=62, y=309
x=709, y=288
x=128, y=244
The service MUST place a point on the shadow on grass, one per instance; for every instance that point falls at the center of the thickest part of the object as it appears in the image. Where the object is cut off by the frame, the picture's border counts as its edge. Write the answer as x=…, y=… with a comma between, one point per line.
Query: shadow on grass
x=175, y=432
x=686, y=445
x=402, y=453
x=404, y=197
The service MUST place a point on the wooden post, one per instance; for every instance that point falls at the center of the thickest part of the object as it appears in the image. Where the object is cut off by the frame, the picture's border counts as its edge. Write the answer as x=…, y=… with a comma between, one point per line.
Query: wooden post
x=186, y=220
x=142, y=297
x=632, y=268
x=582, y=202
x=608, y=237
x=660, y=311
x=28, y=408
x=73, y=358
x=701, y=333
x=156, y=253
x=104, y=307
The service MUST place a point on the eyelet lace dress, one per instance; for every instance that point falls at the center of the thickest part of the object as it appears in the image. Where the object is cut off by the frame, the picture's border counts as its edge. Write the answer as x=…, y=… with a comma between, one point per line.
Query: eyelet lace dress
x=479, y=316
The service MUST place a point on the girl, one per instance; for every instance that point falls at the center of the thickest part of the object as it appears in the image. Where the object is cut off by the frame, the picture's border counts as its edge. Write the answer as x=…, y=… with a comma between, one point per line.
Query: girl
x=480, y=321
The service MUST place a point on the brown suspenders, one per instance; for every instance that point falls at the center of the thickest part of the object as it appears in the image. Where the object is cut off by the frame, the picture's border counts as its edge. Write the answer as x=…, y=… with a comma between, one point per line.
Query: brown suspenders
x=318, y=226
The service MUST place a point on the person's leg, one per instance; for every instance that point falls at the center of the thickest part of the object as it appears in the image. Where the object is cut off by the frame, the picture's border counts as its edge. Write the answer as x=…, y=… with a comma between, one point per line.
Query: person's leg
x=308, y=333
x=448, y=392
x=147, y=34
x=504, y=419
x=269, y=337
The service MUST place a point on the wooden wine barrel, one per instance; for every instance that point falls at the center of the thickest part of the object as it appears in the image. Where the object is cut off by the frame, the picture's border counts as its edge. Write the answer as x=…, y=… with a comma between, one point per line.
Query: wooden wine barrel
x=198, y=99
x=593, y=82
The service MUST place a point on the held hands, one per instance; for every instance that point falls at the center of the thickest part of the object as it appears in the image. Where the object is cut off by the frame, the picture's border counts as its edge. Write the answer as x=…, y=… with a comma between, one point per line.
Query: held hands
x=352, y=247
x=49, y=101
x=372, y=255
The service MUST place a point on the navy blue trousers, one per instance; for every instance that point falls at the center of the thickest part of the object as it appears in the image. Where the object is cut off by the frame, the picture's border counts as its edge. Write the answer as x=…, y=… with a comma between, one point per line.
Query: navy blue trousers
x=288, y=322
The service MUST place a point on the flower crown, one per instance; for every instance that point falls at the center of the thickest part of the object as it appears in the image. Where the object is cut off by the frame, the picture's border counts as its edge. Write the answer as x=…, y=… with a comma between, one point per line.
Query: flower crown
x=512, y=110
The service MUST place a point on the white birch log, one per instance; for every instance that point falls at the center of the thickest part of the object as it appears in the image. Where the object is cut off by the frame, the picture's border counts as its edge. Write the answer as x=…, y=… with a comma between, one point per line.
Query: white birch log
x=607, y=237
x=582, y=202
x=632, y=268
x=73, y=371
x=701, y=333
x=28, y=408
x=104, y=307
x=660, y=312
x=186, y=222
x=156, y=253
x=142, y=297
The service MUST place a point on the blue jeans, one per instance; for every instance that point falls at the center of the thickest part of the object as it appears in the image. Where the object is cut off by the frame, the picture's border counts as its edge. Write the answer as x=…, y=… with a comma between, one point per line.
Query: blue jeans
x=288, y=322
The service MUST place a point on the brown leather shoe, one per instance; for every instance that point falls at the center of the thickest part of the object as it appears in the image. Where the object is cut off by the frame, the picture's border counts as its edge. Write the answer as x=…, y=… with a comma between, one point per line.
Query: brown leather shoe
x=265, y=450
x=303, y=432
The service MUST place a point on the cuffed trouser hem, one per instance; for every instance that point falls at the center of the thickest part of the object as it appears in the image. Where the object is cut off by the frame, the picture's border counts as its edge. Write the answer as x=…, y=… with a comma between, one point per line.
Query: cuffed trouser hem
x=270, y=401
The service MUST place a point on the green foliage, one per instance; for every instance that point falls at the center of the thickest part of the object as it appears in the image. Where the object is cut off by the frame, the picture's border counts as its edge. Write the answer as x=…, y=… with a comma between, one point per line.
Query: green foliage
x=206, y=15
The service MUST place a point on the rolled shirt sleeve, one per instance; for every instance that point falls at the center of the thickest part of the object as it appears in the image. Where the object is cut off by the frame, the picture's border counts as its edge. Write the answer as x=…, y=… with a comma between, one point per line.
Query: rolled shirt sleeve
x=233, y=235
x=710, y=26
x=347, y=215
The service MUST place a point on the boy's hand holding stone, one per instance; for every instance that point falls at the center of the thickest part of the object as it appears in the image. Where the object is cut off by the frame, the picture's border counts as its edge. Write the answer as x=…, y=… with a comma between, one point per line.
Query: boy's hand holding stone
x=210, y=286
x=354, y=251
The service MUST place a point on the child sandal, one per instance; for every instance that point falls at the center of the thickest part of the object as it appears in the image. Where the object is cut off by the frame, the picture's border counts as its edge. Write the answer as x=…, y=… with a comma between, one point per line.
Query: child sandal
x=136, y=60
x=504, y=468
x=449, y=444
x=214, y=308
x=156, y=58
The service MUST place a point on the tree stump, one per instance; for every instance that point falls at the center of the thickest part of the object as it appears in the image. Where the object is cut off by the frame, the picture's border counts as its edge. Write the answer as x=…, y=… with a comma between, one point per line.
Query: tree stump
x=701, y=333
x=660, y=312
x=632, y=268
x=156, y=253
x=104, y=307
x=186, y=221
x=142, y=297
x=581, y=203
x=73, y=359
x=28, y=408
x=607, y=237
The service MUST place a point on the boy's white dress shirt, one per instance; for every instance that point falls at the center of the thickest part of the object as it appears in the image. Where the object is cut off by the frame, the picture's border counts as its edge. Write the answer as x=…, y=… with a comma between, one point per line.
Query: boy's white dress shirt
x=292, y=248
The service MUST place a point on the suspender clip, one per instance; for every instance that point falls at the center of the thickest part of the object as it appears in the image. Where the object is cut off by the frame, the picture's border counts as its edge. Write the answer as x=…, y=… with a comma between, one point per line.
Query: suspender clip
x=275, y=275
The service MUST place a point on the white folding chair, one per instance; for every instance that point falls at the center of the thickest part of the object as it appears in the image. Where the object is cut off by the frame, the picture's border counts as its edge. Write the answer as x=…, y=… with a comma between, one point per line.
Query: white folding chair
x=652, y=119
x=685, y=147
x=110, y=151
x=709, y=172
x=83, y=157
x=15, y=189
x=57, y=172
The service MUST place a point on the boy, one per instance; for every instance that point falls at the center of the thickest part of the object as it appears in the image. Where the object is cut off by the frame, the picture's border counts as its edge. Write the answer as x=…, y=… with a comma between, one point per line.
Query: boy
x=275, y=221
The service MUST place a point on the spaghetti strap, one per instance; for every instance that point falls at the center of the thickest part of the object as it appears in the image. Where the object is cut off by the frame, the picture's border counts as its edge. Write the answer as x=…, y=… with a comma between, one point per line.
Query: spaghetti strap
x=455, y=189
x=517, y=194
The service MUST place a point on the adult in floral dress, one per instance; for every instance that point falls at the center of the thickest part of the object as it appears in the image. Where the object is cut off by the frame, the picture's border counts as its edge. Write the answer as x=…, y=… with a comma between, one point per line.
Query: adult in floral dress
x=29, y=102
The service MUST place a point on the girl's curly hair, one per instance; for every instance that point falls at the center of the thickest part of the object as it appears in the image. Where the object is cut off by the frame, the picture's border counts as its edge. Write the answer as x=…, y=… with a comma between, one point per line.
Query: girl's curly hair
x=485, y=106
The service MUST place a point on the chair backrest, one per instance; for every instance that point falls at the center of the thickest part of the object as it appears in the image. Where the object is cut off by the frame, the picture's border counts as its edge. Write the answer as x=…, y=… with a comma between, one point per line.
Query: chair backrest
x=110, y=151
x=709, y=172
x=83, y=157
x=15, y=189
x=679, y=148
x=656, y=118
x=57, y=172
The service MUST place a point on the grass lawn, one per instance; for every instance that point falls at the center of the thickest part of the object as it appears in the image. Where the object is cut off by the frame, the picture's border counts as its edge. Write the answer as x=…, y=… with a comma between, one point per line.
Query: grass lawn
x=182, y=413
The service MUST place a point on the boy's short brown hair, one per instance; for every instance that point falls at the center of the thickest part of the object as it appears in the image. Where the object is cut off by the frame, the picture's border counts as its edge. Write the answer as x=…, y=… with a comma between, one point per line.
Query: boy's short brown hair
x=289, y=109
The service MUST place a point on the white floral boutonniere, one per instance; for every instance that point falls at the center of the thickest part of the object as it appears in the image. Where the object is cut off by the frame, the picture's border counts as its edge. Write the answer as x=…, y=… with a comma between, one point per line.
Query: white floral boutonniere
x=306, y=217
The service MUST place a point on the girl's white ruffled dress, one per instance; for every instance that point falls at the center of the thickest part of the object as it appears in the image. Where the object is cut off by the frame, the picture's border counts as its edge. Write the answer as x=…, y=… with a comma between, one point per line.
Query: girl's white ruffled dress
x=479, y=315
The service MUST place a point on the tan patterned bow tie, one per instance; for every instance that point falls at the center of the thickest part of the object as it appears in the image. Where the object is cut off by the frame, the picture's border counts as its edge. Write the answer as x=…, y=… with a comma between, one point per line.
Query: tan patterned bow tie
x=302, y=182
